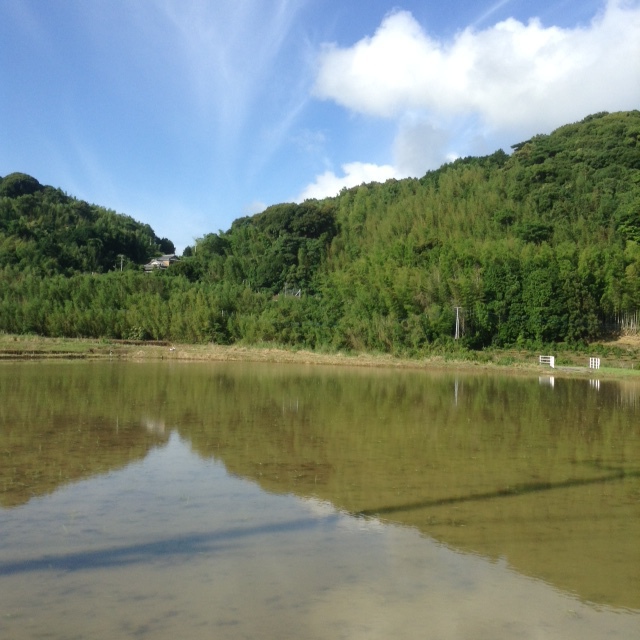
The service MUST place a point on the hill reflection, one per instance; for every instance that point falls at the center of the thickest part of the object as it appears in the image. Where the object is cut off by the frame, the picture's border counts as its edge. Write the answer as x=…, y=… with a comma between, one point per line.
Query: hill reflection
x=61, y=424
x=546, y=478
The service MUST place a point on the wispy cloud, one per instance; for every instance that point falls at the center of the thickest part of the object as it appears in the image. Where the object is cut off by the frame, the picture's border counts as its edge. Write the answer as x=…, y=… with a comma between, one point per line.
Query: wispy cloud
x=273, y=134
x=310, y=141
x=229, y=49
x=490, y=11
x=254, y=207
x=29, y=24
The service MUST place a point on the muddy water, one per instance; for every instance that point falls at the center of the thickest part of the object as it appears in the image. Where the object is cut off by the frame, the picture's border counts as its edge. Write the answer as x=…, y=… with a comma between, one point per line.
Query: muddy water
x=244, y=501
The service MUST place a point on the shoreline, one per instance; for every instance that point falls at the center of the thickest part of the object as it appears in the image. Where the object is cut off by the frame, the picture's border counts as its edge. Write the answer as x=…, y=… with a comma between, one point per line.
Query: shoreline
x=15, y=348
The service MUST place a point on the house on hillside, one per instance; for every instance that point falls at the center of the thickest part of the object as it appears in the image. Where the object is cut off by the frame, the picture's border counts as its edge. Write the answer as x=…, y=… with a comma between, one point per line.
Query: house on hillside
x=161, y=262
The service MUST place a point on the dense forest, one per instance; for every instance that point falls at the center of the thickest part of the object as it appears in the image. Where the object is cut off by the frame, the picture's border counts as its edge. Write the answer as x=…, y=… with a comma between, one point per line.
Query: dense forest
x=539, y=246
x=45, y=231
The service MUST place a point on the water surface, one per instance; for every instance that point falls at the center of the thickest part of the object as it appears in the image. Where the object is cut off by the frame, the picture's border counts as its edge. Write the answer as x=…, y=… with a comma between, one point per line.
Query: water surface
x=243, y=500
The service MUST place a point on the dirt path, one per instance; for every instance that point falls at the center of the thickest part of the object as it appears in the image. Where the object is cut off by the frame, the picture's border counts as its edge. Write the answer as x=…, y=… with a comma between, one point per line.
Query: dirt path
x=624, y=361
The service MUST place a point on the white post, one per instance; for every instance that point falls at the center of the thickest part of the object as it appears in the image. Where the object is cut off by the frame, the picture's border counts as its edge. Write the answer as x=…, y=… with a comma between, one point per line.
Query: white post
x=457, y=336
x=550, y=360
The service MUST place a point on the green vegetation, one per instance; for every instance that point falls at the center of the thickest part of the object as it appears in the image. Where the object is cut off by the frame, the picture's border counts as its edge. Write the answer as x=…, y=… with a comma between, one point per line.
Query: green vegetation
x=539, y=247
x=43, y=231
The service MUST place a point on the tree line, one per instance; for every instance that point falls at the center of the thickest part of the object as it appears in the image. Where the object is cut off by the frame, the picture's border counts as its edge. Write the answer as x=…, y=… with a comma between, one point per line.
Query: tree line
x=535, y=247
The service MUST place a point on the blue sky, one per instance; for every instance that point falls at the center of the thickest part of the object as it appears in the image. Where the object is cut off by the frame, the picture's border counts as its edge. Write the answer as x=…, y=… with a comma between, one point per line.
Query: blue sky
x=188, y=114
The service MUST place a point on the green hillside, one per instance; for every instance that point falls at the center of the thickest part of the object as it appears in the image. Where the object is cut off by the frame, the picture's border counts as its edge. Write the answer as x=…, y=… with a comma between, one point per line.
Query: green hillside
x=535, y=247
x=46, y=231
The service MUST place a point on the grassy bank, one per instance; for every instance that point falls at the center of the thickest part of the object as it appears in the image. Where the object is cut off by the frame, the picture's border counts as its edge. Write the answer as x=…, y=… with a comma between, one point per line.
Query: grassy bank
x=619, y=358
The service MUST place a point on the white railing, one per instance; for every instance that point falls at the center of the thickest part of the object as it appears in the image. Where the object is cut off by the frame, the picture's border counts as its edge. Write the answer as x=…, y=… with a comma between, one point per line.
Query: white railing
x=594, y=363
x=550, y=360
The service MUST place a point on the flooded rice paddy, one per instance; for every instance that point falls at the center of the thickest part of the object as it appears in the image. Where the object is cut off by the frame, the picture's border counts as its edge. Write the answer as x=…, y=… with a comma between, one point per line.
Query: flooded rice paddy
x=237, y=500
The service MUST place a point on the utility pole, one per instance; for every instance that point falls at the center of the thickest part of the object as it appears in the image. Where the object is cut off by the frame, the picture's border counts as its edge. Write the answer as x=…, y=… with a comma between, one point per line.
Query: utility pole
x=457, y=336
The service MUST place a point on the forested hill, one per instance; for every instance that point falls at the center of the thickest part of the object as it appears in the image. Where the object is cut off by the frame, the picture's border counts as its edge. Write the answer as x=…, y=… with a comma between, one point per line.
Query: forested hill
x=539, y=246
x=43, y=230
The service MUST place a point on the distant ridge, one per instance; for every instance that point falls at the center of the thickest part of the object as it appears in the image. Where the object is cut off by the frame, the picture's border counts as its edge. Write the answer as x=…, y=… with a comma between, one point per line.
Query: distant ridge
x=541, y=246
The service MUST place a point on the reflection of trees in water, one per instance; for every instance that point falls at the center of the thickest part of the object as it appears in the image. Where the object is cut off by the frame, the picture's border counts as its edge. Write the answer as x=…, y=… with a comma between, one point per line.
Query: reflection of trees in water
x=153, y=425
x=545, y=477
x=518, y=490
x=313, y=413
x=629, y=396
x=503, y=466
x=62, y=423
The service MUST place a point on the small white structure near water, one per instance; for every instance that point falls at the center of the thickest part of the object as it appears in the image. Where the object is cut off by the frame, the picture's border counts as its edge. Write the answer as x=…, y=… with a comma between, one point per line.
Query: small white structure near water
x=594, y=363
x=550, y=360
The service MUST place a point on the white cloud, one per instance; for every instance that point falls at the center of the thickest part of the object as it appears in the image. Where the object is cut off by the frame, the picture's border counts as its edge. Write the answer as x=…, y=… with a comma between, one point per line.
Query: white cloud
x=256, y=206
x=512, y=76
x=328, y=184
x=480, y=91
x=419, y=146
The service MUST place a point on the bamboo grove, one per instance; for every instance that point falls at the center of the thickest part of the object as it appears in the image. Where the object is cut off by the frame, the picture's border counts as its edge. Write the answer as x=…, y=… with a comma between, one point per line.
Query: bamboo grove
x=536, y=247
